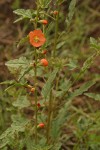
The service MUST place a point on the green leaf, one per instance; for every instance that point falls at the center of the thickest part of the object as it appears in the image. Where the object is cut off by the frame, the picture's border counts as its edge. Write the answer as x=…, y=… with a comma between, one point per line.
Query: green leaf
x=19, y=123
x=3, y=143
x=63, y=87
x=6, y=133
x=71, y=12
x=42, y=148
x=81, y=90
x=8, y=82
x=21, y=102
x=24, y=13
x=22, y=41
x=63, y=113
x=72, y=64
x=48, y=85
x=19, y=67
x=19, y=19
x=44, y=3
x=93, y=95
x=17, y=63
x=60, y=44
x=95, y=44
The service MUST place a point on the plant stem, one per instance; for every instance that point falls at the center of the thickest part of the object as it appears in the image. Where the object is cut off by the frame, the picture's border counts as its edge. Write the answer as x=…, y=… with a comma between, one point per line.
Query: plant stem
x=51, y=97
x=36, y=110
x=35, y=72
x=49, y=117
x=56, y=34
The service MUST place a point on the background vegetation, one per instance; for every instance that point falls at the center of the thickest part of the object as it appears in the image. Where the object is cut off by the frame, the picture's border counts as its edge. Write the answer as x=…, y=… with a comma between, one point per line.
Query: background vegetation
x=81, y=131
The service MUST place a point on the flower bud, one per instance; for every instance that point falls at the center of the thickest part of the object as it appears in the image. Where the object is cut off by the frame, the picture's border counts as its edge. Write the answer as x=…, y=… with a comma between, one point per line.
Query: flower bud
x=44, y=52
x=55, y=12
x=32, y=90
x=44, y=62
x=38, y=105
x=45, y=22
x=41, y=125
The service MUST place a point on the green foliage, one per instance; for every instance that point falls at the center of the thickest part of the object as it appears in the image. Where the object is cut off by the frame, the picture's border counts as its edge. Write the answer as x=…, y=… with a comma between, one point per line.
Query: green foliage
x=81, y=90
x=48, y=85
x=44, y=3
x=57, y=108
x=23, y=14
x=72, y=64
x=21, y=102
x=19, y=67
x=9, y=136
x=63, y=88
x=93, y=96
x=95, y=44
x=22, y=41
x=42, y=148
x=63, y=113
x=71, y=12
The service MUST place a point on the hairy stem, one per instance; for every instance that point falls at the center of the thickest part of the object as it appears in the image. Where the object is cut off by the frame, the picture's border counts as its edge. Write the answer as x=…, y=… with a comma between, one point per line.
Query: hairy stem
x=56, y=34
x=50, y=112
x=36, y=110
x=35, y=72
x=49, y=117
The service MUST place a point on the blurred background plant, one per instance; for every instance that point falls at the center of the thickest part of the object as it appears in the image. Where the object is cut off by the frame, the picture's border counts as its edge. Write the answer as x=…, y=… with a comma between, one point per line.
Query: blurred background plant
x=82, y=128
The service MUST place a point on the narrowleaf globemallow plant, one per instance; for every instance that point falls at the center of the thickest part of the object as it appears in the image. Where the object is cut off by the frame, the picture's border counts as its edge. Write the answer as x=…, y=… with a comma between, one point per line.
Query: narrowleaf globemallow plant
x=39, y=86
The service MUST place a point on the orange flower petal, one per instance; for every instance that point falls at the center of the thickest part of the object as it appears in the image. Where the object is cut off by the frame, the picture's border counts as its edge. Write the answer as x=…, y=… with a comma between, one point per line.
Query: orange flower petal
x=39, y=35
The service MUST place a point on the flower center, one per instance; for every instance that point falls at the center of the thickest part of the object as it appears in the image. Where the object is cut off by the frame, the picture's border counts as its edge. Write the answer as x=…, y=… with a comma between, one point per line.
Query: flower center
x=36, y=39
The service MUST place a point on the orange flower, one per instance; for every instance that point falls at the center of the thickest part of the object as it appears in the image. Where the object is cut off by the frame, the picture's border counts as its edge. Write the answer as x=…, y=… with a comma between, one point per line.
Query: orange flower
x=44, y=62
x=44, y=22
x=37, y=38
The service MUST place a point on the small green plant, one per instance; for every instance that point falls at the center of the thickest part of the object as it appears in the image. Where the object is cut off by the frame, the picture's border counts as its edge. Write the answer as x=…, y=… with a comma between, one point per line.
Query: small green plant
x=49, y=101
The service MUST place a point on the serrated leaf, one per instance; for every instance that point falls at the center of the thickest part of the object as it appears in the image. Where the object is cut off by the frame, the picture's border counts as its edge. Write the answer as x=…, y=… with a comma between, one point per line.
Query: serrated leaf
x=5, y=133
x=63, y=113
x=72, y=64
x=19, y=123
x=44, y=3
x=42, y=148
x=81, y=90
x=47, y=87
x=95, y=44
x=93, y=95
x=3, y=144
x=19, y=66
x=24, y=13
x=16, y=63
x=21, y=102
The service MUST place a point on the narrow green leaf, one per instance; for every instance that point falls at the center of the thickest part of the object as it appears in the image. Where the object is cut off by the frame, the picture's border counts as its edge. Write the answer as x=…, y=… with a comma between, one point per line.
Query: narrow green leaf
x=47, y=87
x=71, y=11
x=22, y=41
x=19, y=19
x=81, y=90
x=8, y=82
x=93, y=95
